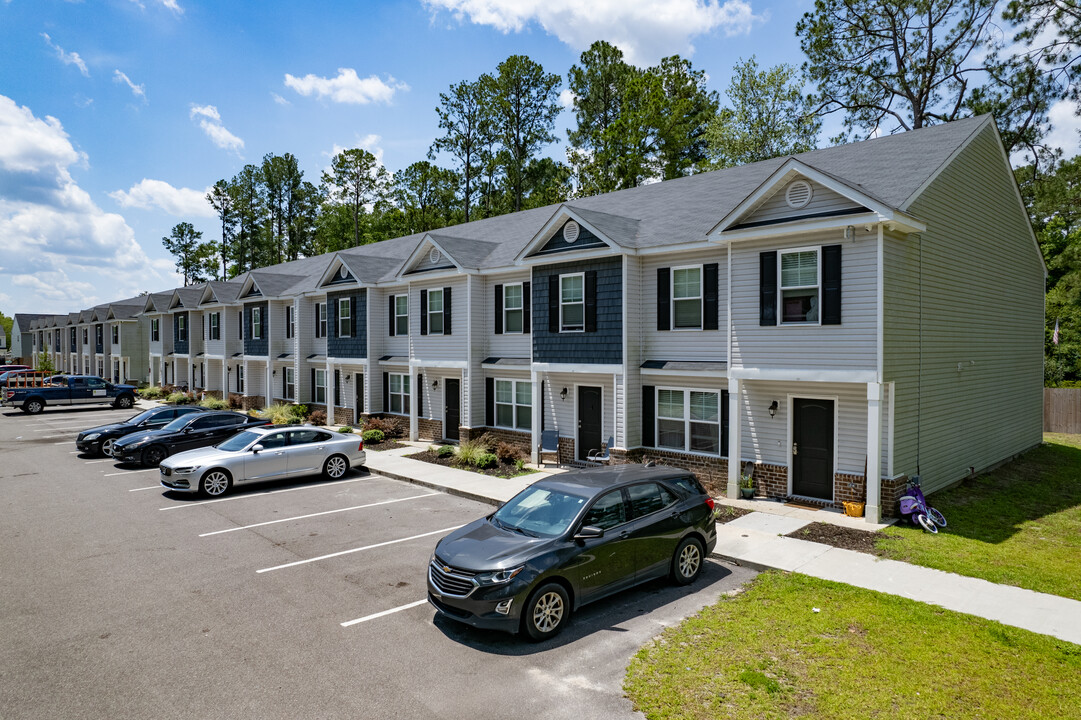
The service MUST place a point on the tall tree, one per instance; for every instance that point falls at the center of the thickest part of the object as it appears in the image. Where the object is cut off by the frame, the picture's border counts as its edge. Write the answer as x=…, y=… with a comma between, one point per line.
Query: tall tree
x=687, y=108
x=768, y=116
x=356, y=179
x=524, y=103
x=280, y=177
x=425, y=194
x=222, y=201
x=549, y=182
x=466, y=122
x=190, y=254
x=598, y=86
x=247, y=197
x=1051, y=30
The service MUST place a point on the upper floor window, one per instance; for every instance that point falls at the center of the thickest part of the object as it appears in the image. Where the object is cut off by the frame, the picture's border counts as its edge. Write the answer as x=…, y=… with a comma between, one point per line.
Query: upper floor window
x=345, y=318
x=215, y=326
x=514, y=404
x=116, y=334
x=86, y=336
x=181, y=328
x=401, y=315
x=689, y=420
x=799, y=285
x=256, y=323
x=99, y=334
x=513, y=309
x=155, y=330
x=687, y=297
x=321, y=320
x=290, y=322
x=572, y=303
x=435, y=312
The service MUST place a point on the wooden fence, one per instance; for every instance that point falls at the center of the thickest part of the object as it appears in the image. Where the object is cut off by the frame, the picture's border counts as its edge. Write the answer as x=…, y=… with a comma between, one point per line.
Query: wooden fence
x=1062, y=410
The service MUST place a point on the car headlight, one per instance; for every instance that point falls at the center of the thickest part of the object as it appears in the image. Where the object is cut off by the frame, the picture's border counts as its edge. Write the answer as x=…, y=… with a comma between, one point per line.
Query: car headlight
x=498, y=577
x=186, y=470
x=92, y=436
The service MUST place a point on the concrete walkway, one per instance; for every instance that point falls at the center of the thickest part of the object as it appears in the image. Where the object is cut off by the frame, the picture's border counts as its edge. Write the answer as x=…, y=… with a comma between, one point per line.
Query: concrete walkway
x=757, y=540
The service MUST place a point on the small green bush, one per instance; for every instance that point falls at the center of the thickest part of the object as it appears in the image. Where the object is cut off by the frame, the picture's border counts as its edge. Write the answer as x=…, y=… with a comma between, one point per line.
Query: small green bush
x=278, y=414
x=445, y=451
x=300, y=412
x=179, y=398
x=153, y=392
x=486, y=460
x=470, y=450
x=213, y=403
x=345, y=429
x=372, y=437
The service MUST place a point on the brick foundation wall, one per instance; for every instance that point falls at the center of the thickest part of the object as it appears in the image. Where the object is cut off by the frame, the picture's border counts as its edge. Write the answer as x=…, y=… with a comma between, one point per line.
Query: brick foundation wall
x=429, y=429
x=212, y=394
x=566, y=451
x=343, y=416
x=522, y=440
x=312, y=408
x=712, y=472
x=252, y=402
x=770, y=480
x=891, y=492
x=850, y=488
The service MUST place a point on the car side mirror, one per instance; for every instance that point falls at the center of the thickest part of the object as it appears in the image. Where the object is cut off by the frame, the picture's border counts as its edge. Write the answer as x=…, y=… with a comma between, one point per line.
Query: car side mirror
x=188, y=430
x=256, y=449
x=589, y=532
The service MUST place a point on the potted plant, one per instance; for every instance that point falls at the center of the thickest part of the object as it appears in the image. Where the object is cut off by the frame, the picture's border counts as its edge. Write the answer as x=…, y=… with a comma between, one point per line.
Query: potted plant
x=746, y=487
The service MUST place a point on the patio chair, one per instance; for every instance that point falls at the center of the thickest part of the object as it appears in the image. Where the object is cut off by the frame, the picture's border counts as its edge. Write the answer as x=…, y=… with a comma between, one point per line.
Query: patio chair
x=549, y=445
x=601, y=456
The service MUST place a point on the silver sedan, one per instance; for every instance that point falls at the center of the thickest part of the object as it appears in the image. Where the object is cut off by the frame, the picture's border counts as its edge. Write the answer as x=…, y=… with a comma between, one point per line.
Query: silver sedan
x=263, y=453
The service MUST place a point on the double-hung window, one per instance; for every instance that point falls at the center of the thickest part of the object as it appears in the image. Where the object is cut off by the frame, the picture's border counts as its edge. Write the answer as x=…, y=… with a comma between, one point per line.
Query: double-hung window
x=401, y=314
x=290, y=324
x=86, y=336
x=321, y=320
x=116, y=334
x=290, y=383
x=514, y=404
x=435, y=312
x=799, y=286
x=399, y=393
x=215, y=326
x=181, y=328
x=99, y=335
x=687, y=298
x=155, y=330
x=513, y=309
x=319, y=392
x=240, y=378
x=345, y=318
x=689, y=420
x=256, y=323
x=572, y=302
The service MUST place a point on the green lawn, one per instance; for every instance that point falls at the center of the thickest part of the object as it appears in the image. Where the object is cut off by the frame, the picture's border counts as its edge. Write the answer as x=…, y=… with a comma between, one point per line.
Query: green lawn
x=1019, y=525
x=766, y=653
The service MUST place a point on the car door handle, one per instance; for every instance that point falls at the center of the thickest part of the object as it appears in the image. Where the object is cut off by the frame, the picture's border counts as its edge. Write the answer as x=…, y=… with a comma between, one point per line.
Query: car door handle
x=624, y=534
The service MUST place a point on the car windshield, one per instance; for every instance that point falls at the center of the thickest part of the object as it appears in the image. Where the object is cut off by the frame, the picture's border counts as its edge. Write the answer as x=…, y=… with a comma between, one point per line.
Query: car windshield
x=238, y=442
x=141, y=417
x=539, y=512
x=181, y=422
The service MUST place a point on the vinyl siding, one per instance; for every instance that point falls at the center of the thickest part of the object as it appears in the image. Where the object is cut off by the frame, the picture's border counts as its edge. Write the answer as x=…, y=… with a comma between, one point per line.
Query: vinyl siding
x=630, y=432
x=776, y=208
x=438, y=347
x=514, y=345
x=852, y=345
x=603, y=346
x=705, y=345
x=980, y=399
x=562, y=412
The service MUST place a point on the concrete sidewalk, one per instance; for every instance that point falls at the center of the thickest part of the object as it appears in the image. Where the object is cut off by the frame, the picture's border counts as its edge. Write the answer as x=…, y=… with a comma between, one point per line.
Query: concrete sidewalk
x=757, y=540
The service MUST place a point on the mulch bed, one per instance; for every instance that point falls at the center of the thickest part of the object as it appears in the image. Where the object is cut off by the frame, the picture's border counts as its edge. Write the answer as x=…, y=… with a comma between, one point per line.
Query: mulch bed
x=502, y=470
x=727, y=513
x=842, y=537
x=385, y=445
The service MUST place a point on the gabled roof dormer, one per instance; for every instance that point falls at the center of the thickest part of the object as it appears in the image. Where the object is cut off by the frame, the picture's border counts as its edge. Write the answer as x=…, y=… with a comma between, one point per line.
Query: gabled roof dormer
x=249, y=288
x=446, y=254
x=574, y=232
x=337, y=273
x=798, y=197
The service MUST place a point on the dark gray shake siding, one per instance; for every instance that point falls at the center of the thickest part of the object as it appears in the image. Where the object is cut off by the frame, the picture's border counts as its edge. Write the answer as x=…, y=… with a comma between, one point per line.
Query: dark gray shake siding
x=356, y=345
x=261, y=346
x=180, y=347
x=604, y=345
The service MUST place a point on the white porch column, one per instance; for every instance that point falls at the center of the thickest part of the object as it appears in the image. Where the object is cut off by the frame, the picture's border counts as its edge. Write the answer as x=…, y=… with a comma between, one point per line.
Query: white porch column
x=268, y=380
x=734, y=435
x=538, y=411
x=873, y=509
x=414, y=397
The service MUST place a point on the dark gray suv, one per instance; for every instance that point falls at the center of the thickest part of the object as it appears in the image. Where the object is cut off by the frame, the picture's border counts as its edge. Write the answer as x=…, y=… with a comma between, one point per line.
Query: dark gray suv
x=570, y=540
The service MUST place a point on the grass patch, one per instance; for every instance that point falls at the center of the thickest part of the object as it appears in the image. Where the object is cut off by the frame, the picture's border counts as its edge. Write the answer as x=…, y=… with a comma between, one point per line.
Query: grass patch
x=765, y=653
x=1018, y=525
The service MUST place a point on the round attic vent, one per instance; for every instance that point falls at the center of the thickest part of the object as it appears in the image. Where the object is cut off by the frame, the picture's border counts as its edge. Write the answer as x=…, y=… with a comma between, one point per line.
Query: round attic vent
x=798, y=194
x=433, y=256
x=343, y=273
x=570, y=231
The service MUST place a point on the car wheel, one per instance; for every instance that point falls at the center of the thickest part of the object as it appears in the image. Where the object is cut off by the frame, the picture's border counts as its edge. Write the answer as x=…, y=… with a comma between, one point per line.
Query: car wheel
x=335, y=467
x=215, y=483
x=154, y=455
x=107, y=447
x=124, y=402
x=34, y=407
x=546, y=612
x=687, y=562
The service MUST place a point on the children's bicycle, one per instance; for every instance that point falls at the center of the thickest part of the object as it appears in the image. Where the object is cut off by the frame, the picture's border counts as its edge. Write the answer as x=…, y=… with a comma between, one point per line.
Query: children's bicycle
x=914, y=507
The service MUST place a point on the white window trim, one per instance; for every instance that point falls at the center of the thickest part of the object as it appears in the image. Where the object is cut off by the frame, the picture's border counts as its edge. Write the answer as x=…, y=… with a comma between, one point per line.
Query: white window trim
x=347, y=316
x=257, y=323
x=215, y=326
x=155, y=330
x=320, y=372
x=290, y=322
x=562, y=327
x=182, y=328
x=817, y=249
x=701, y=297
x=521, y=309
x=406, y=398
x=321, y=325
x=240, y=378
x=687, y=419
x=513, y=404
x=290, y=382
x=400, y=315
x=441, y=312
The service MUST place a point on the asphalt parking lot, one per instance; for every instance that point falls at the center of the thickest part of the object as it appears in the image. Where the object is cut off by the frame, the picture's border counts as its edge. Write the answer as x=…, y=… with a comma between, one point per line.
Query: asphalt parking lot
x=286, y=600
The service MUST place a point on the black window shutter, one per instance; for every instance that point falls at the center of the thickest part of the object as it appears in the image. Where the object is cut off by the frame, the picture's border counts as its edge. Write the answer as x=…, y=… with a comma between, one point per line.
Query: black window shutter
x=240, y=325
x=498, y=309
x=553, y=303
x=390, y=306
x=353, y=314
x=333, y=310
x=360, y=394
x=489, y=402
x=724, y=423
x=447, y=317
x=386, y=392
x=767, y=288
x=591, y=301
x=338, y=388
x=710, y=295
x=423, y=312
x=831, y=285
x=419, y=390
x=648, y=415
x=664, y=298
x=313, y=384
x=283, y=383
x=247, y=323
x=527, y=307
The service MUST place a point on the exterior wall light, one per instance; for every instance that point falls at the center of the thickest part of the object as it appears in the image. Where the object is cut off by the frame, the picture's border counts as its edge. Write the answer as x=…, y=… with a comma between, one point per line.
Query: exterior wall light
x=773, y=409
x=563, y=394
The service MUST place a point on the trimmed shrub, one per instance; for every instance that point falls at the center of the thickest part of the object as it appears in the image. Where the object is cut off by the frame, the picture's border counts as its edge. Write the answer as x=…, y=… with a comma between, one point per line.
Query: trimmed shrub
x=345, y=429
x=179, y=398
x=278, y=414
x=445, y=451
x=486, y=460
x=300, y=412
x=508, y=453
x=392, y=427
x=318, y=417
x=372, y=437
x=151, y=393
x=214, y=403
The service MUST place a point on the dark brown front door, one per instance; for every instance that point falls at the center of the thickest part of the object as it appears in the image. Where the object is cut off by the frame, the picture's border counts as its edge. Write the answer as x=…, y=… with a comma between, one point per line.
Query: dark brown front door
x=358, y=408
x=812, y=448
x=589, y=420
x=453, y=408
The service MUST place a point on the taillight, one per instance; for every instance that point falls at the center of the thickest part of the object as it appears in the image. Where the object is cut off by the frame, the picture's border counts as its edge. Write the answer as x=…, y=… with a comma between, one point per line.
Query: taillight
x=709, y=502
x=361, y=447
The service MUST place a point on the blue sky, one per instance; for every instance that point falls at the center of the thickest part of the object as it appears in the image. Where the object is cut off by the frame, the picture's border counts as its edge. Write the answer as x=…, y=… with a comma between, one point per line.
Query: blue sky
x=116, y=115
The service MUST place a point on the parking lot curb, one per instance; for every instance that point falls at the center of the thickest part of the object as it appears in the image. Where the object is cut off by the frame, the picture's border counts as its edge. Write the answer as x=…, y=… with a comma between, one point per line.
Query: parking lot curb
x=740, y=562
x=436, y=486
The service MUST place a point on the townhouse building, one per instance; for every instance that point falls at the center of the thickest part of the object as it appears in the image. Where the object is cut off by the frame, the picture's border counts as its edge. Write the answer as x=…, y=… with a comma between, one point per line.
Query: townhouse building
x=807, y=316
x=23, y=337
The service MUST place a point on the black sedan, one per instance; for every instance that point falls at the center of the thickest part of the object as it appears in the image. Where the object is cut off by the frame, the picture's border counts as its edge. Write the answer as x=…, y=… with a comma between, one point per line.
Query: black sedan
x=570, y=540
x=185, y=433
x=99, y=440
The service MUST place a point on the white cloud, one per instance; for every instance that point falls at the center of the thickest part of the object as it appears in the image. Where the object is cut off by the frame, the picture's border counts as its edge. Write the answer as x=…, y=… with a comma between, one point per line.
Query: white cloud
x=138, y=91
x=210, y=122
x=1064, y=128
x=279, y=99
x=645, y=30
x=170, y=4
x=347, y=87
x=57, y=247
x=182, y=202
x=68, y=58
x=566, y=99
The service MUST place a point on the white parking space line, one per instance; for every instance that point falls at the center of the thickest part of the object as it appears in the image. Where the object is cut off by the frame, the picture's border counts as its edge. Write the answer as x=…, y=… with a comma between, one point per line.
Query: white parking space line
x=96, y=462
x=152, y=487
x=325, y=512
x=373, y=616
x=261, y=494
x=62, y=442
x=131, y=472
x=356, y=550
x=50, y=437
